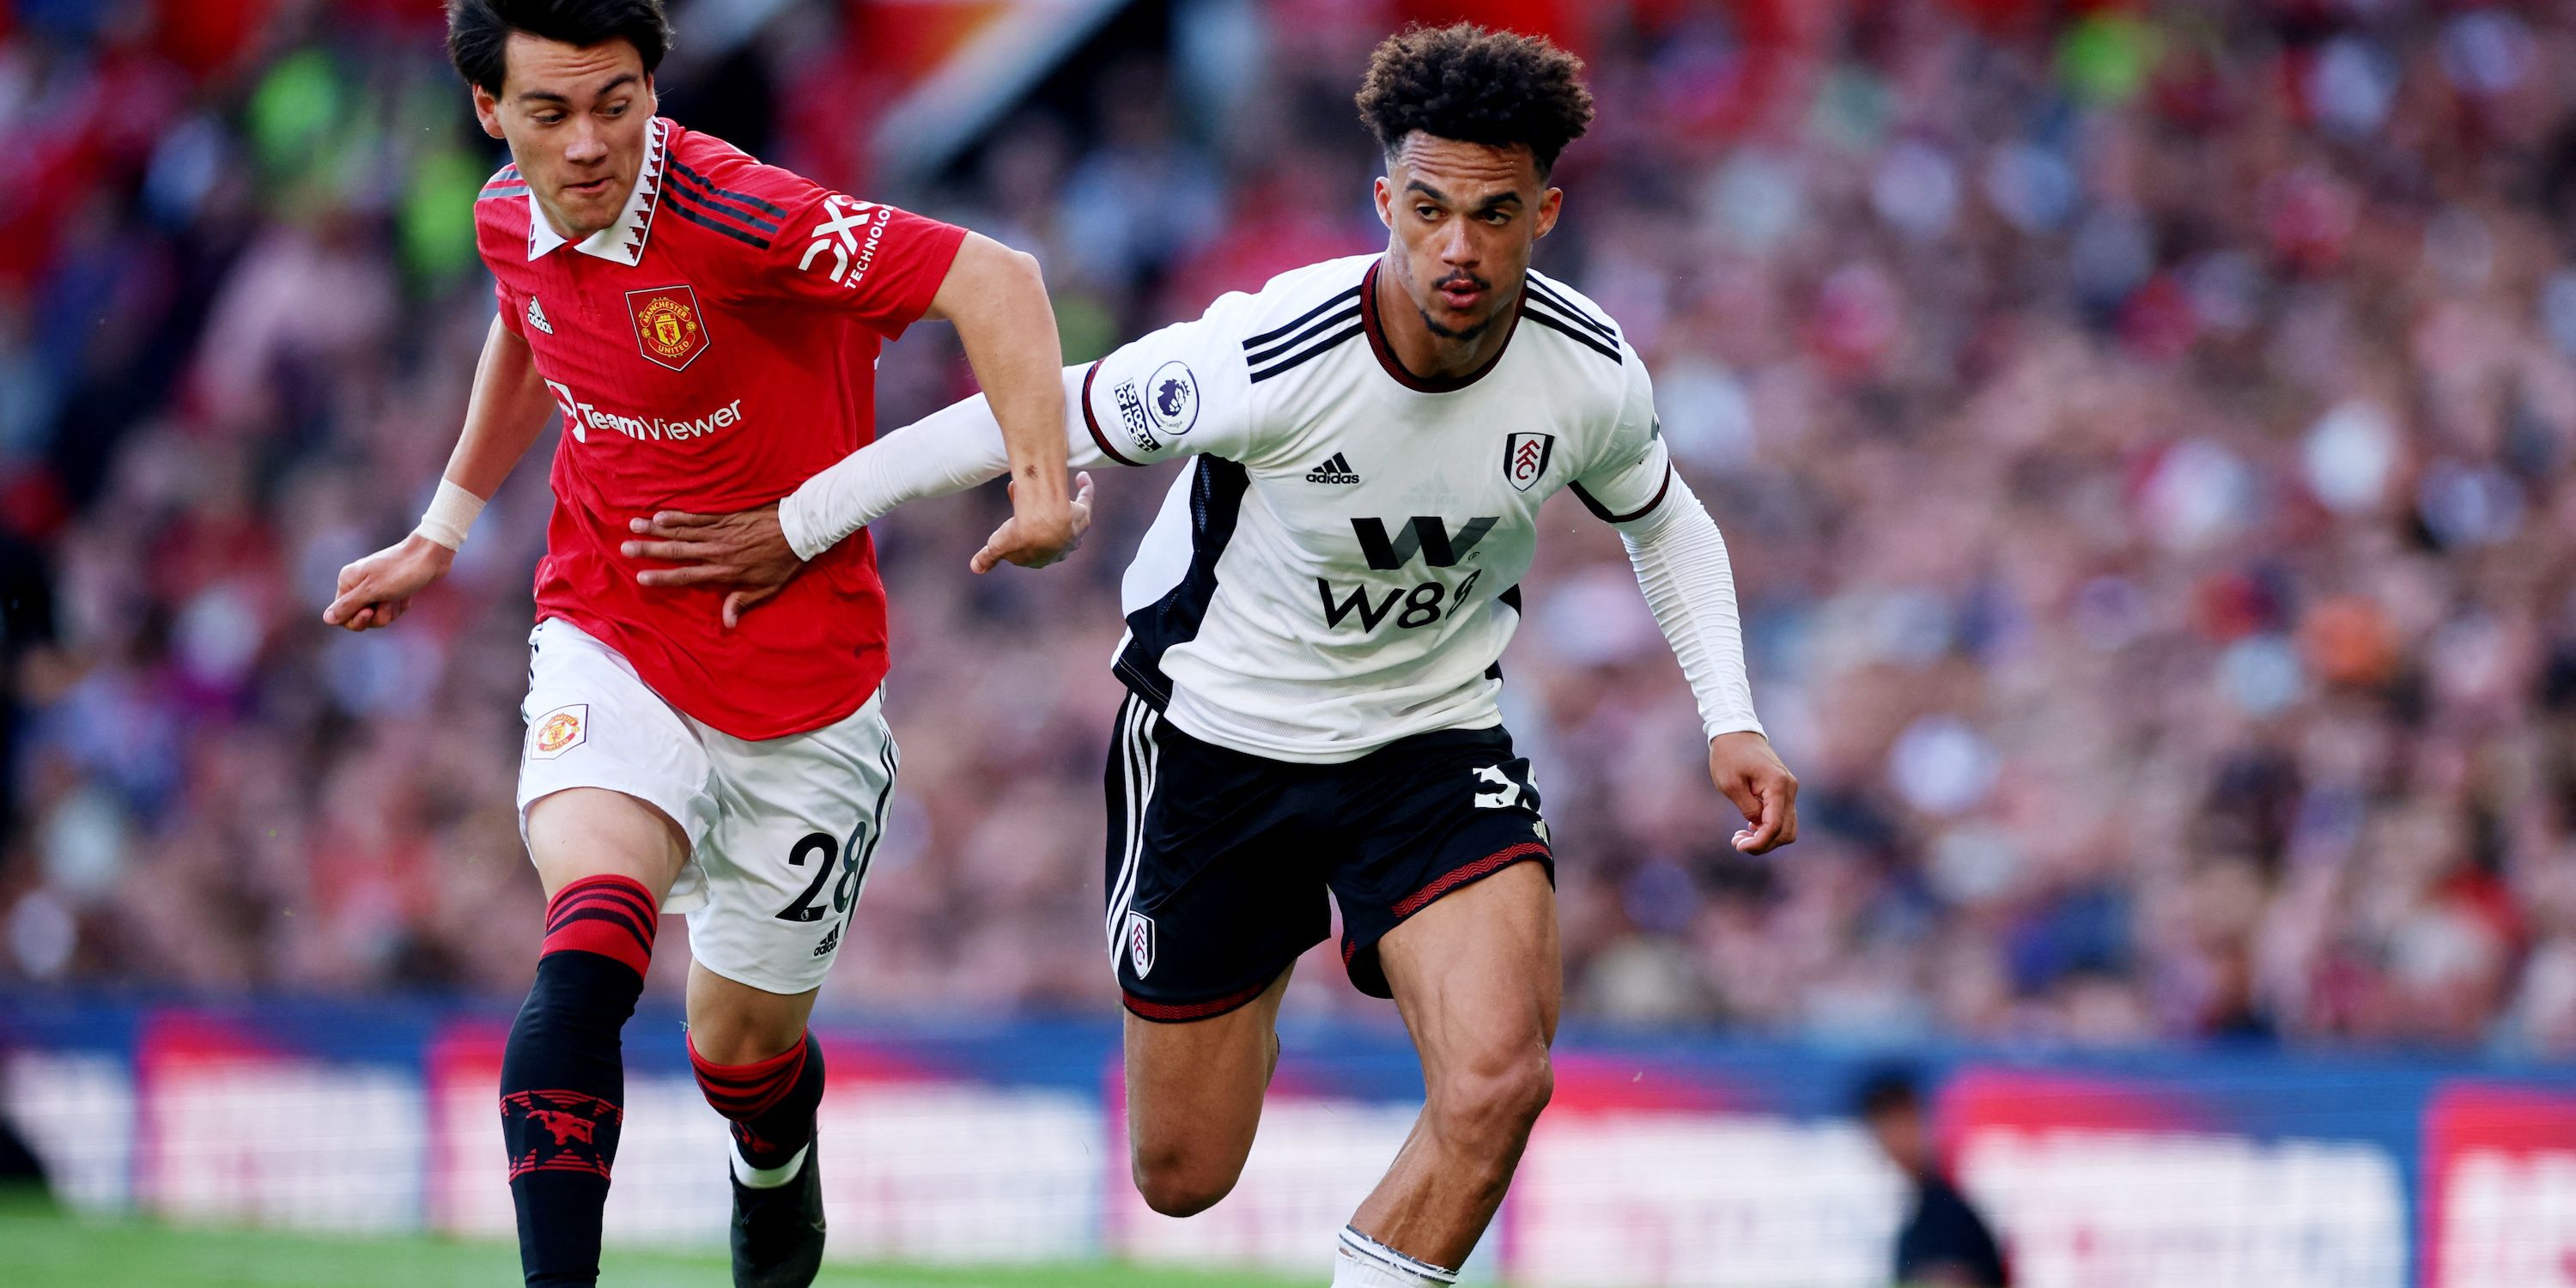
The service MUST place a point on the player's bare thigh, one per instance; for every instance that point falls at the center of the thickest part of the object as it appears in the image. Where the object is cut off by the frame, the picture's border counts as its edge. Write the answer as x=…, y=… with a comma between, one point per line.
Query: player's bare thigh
x=1478, y=979
x=1480, y=967
x=592, y=831
x=1194, y=1100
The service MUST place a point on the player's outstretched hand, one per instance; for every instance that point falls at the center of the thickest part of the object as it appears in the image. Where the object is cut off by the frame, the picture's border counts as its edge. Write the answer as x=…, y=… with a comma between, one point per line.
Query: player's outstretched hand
x=1034, y=541
x=746, y=550
x=1745, y=768
x=375, y=590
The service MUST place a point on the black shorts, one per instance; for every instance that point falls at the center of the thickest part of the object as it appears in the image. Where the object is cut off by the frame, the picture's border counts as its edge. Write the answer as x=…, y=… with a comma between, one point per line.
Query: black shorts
x=1219, y=861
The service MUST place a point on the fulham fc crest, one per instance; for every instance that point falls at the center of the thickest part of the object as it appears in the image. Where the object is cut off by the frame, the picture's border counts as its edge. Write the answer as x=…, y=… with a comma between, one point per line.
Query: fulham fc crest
x=668, y=329
x=1140, y=943
x=1525, y=458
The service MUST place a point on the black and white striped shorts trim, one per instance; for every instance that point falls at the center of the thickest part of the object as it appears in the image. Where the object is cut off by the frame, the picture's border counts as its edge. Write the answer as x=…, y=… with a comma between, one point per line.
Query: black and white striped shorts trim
x=1370, y=1250
x=1139, y=757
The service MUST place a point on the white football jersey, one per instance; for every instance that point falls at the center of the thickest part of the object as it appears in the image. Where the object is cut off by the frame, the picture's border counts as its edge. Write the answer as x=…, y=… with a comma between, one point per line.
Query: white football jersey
x=1342, y=568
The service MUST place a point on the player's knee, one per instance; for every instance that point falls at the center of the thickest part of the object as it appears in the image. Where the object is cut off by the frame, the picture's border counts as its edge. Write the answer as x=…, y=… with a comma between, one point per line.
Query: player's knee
x=732, y=1023
x=738, y=1044
x=1496, y=1098
x=1178, y=1181
x=727, y=1040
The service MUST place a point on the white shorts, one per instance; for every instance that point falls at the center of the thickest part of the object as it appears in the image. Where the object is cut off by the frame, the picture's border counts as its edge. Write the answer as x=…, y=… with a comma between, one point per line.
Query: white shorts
x=780, y=830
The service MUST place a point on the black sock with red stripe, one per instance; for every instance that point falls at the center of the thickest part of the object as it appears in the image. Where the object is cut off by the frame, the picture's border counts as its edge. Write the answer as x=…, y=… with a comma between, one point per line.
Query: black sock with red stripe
x=771, y=1103
x=563, y=1076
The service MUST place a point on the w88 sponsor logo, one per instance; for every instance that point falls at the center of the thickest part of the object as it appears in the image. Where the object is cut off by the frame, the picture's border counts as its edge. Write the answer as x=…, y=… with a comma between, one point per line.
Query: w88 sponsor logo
x=1426, y=537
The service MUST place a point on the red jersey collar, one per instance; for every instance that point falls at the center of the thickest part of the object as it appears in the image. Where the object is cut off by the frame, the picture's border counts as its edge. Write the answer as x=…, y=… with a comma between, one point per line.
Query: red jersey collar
x=621, y=242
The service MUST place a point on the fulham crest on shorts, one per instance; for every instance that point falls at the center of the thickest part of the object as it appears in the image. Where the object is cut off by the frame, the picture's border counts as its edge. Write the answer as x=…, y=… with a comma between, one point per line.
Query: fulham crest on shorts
x=1140, y=943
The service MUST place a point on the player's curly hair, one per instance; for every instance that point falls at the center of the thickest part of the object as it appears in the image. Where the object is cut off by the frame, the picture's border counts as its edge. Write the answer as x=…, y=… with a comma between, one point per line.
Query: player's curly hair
x=1476, y=85
x=478, y=31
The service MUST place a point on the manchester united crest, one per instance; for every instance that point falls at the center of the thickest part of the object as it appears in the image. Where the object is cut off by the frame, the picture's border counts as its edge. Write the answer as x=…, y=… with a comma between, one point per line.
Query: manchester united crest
x=669, y=329
x=559, y=731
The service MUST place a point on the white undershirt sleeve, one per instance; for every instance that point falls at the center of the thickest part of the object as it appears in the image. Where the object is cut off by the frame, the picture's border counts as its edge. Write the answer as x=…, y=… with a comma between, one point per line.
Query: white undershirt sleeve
x=950, y=450
x=1681, y=564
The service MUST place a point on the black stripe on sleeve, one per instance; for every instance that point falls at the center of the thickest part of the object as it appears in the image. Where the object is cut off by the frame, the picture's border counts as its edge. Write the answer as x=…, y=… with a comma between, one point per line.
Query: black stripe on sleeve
x=1348, y=315
x=681, y=205
x=1566, y=307
x=1326, y=345
x=722, y=204
x=1539, y=314
x=743, y=197
x=1308, y=316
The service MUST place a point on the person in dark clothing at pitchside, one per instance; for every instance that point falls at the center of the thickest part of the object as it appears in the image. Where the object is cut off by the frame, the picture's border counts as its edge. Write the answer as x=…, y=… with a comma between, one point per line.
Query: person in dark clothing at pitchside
x=1944, y=1242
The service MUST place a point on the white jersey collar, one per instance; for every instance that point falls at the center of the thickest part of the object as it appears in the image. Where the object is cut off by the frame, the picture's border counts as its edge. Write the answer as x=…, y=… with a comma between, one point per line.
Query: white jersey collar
x=621, y=242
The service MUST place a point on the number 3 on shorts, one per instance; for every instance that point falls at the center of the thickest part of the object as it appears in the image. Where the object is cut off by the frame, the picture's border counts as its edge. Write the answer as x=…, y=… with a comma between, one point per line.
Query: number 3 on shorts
x=851, y=865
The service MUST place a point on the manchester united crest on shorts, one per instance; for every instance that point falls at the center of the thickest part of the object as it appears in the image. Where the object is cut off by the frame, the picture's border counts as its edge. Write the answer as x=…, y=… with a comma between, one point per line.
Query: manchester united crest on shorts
x=1525, y=458
x=1140, y=943
x=669, y=330
x=559, y=731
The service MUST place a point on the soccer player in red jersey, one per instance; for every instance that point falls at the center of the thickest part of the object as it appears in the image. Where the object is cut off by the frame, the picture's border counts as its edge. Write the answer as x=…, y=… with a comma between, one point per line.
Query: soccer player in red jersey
x=708, y=327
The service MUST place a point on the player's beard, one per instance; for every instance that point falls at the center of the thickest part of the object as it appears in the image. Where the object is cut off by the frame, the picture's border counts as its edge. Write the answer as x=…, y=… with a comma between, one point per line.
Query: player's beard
x=1460, y=333
x=1450, y=333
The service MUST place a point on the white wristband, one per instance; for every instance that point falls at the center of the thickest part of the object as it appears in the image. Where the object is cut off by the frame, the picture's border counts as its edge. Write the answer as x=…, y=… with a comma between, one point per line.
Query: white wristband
x=451, y=512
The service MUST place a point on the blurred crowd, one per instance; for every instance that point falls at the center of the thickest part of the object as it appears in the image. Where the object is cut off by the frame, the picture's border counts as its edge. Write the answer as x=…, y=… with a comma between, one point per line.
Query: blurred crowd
x=2143, y=433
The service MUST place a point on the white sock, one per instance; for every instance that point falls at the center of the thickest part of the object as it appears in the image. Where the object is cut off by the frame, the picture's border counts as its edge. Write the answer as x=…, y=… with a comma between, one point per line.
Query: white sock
x=1363, y=1262
x=768, y=1178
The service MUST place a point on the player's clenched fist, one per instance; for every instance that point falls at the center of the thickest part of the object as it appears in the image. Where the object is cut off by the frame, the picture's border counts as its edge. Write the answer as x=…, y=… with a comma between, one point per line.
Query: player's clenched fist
x=1033, y=537
x=1745, y=768
x=375, y=590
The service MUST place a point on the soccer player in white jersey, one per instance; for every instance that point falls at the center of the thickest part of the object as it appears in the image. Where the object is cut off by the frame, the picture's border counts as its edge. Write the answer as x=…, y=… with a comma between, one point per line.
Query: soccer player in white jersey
x=1314, y=623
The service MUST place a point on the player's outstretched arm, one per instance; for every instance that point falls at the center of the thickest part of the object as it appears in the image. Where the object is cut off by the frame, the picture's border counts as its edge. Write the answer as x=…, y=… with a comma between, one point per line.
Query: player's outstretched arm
x=1681, y=564
x=1137, y=406
x=1680, y=560
x=757, y=551
x=965, y=445
x=997, y=298
x=507, y=410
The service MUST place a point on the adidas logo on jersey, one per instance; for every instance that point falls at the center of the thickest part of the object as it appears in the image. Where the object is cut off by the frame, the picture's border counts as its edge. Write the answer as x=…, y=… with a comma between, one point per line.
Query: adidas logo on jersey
x=831, y=940
x=1333, y=470
x=537, y=316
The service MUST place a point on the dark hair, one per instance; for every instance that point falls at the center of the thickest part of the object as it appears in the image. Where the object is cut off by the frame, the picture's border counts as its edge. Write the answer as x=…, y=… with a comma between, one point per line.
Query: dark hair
x=1476, y=85
x=1886, y=1090
x=478, y=31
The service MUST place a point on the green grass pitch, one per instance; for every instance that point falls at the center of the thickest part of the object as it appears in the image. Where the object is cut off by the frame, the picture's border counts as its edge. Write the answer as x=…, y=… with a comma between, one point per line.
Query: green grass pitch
x=41, y=1247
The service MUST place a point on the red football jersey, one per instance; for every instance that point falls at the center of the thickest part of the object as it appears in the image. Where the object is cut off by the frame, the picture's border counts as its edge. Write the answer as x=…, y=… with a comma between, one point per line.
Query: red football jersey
x=711, y=350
